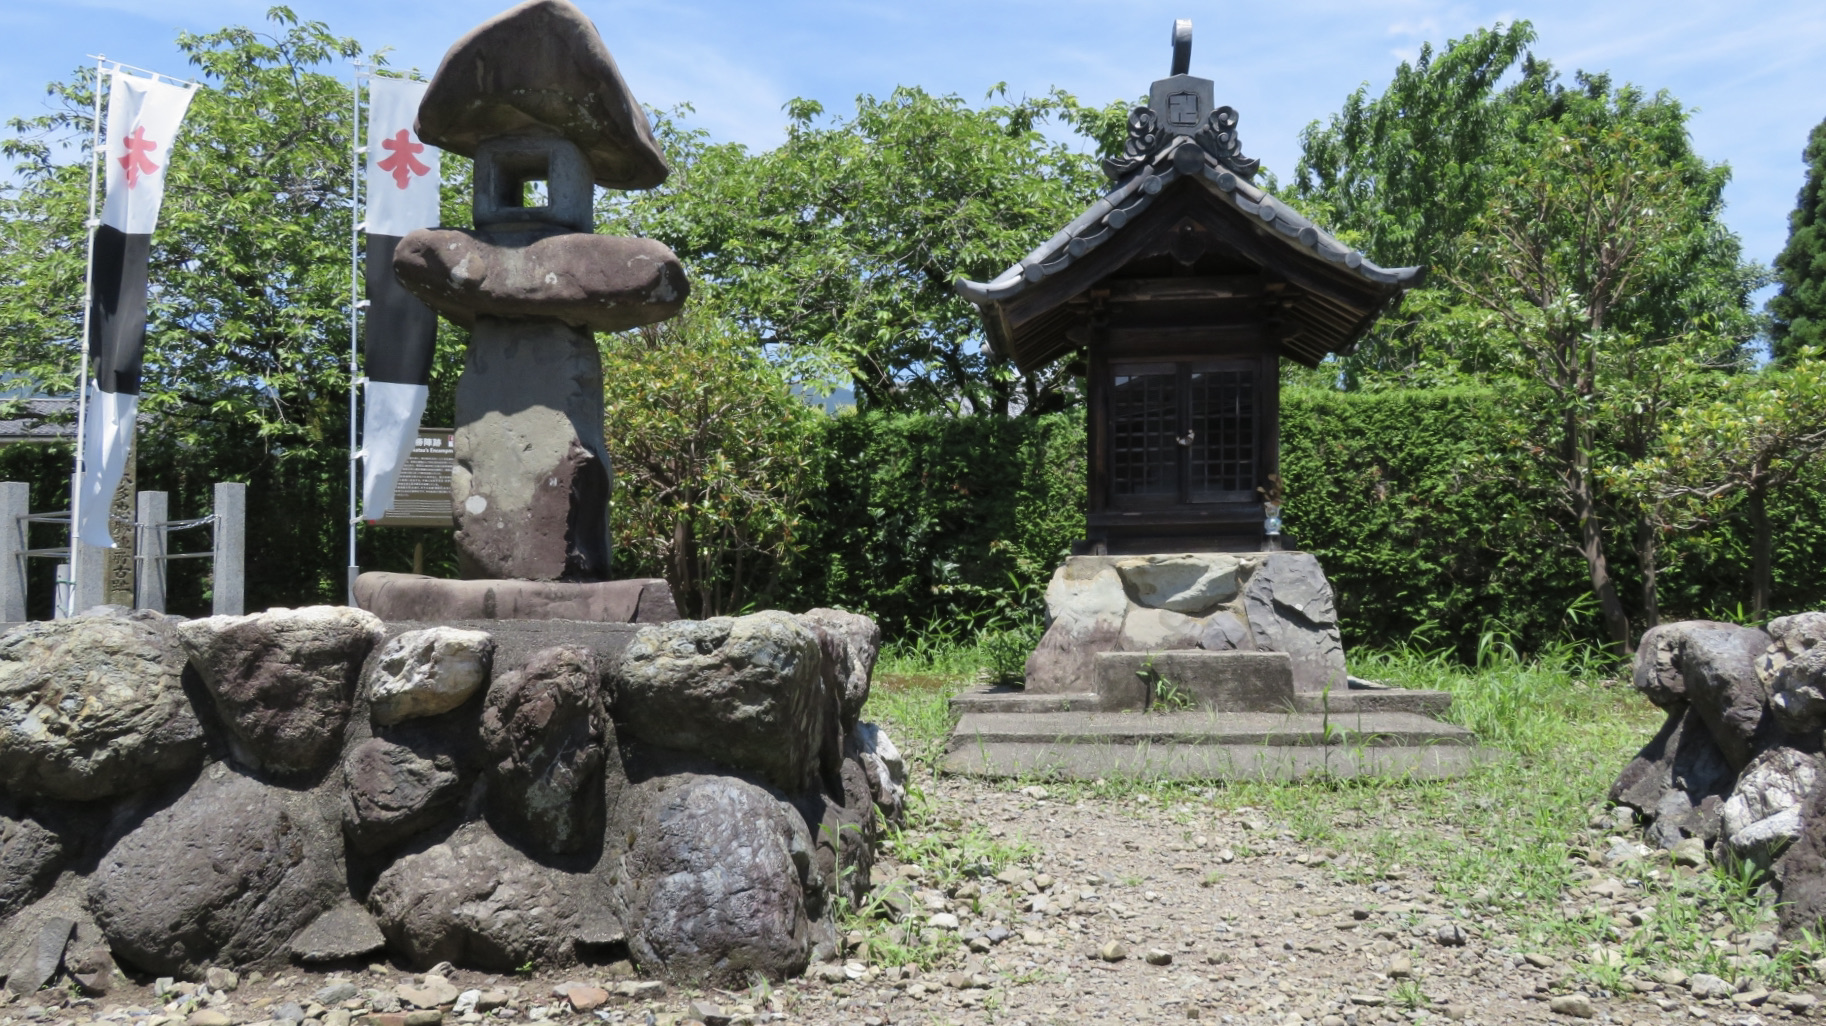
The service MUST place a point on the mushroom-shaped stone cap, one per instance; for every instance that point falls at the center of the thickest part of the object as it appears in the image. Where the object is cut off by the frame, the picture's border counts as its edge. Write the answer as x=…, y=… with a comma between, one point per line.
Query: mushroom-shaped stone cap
x=542, y=68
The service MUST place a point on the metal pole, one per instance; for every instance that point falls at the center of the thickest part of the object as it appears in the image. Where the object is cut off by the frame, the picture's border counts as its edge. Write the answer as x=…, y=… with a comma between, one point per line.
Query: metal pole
x=82, y=368
x=230, y=541
x=15, y=505
x=151, y=515
x=355, y=176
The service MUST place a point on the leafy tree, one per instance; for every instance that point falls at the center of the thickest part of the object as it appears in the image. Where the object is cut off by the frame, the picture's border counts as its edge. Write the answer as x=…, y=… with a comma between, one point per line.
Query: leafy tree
x=1579, y=251
x=846, y=238
x=1406, y=174
x=712, y=454
x=246, y=354
x=1744, y=447
x=1800, y=308
x=1566, y=260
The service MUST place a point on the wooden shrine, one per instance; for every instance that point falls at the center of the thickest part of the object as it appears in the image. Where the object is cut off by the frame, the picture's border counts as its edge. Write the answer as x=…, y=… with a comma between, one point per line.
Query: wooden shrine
x=1180, y=291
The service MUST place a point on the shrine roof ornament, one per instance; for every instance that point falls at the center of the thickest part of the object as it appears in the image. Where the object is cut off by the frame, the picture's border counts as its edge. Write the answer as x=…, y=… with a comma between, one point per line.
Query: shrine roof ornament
x=1182, y=135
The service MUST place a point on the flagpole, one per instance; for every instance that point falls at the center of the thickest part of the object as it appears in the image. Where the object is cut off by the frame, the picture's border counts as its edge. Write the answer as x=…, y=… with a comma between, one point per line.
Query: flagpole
x=82, y=366
x=355, y=196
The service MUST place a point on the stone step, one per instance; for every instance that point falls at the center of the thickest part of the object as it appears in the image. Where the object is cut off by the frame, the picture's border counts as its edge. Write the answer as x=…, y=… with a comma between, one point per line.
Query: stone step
x=1255, y=681
x=1208, y=727
x=1001, y=698
x=1211, y=761
x=1353, y=700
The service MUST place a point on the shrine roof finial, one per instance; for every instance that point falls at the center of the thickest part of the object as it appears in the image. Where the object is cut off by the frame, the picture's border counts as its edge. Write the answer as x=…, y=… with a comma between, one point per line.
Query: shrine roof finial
x=1182, y=46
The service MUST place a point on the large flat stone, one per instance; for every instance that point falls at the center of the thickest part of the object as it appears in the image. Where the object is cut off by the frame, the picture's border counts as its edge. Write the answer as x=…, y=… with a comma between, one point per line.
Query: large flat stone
x=1189, y=583
x=1351, y=700
x=517, y=641
x=541, y=69
x=395, y=597
x=599, y=282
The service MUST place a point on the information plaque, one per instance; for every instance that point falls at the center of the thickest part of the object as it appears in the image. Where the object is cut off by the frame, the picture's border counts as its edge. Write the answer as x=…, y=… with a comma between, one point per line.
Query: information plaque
x=422, y=497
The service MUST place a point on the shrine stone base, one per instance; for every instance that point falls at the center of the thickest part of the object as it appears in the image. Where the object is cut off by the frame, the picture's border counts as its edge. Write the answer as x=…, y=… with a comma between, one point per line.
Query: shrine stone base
x=1200, y=666
x=1196, y=601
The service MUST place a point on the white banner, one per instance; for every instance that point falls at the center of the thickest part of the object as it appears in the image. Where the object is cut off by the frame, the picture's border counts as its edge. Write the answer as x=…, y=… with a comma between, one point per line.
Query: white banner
x=389, y=431
x=402, y=171
x=107, y=435
x=143, y=119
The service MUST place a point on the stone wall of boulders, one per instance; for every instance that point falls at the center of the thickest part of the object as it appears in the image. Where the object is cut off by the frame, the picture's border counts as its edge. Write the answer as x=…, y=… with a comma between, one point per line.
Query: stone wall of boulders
x=315, y=786
x=1735, y=770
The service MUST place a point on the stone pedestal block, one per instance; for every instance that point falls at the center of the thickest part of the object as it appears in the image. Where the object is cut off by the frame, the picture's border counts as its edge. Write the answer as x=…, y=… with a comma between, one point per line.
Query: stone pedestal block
x=532, y=478
x=1174, y=602
x=395, y=597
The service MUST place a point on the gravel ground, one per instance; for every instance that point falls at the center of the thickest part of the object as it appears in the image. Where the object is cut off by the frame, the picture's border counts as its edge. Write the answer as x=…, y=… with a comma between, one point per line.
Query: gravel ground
x=1123, y=912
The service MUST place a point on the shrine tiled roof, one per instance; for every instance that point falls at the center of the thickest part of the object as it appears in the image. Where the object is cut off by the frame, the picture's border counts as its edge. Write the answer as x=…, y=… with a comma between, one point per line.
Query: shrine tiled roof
x=1183, y=171
x=1181, y=157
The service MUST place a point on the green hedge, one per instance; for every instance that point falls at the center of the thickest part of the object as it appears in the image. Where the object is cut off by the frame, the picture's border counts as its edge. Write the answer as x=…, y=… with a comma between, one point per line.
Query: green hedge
x=1431, y=520
x=1424, y=516
x=920, y=520
x=1428, y=516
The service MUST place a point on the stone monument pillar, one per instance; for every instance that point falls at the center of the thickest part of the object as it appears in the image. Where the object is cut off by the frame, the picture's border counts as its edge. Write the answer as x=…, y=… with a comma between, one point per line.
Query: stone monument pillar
x=535, y=98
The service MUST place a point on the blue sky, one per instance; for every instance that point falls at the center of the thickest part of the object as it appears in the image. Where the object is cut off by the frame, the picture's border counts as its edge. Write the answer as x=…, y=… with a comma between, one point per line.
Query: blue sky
x=1755, y=70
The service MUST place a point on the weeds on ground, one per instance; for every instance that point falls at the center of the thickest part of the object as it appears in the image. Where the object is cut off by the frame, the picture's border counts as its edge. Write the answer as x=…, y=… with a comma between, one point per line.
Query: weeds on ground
x=888, y=928
x=1511, y=848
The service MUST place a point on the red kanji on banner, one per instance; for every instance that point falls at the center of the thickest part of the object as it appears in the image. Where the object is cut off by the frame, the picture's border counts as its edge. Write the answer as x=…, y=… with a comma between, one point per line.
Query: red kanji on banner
x=136, y=162
x=404, y=163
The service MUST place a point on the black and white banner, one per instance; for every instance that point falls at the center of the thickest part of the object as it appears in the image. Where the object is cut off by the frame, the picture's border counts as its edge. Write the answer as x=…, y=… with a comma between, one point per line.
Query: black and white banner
x=143, y=119
x=401, y=338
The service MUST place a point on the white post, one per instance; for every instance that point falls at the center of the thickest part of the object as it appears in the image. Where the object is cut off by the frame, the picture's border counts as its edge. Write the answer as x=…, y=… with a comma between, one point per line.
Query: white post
x=88, y=576
x=230, y=531
x=60, y=593
x=151, y=514
x=355, y=182
x=15, y=505
x=78, y=573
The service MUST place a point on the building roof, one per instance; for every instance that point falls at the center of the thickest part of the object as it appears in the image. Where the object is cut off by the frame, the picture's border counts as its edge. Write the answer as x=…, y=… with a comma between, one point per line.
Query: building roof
x=37, y=420
x=1184, y=154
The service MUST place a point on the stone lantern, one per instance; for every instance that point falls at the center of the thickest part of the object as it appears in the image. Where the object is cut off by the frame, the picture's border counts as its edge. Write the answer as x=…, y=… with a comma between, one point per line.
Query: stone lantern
x=535, y=98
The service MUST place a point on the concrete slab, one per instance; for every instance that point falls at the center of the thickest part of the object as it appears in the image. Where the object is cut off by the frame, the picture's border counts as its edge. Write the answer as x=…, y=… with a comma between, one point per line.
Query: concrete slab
x=1093, y=761
x=1207, y=728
